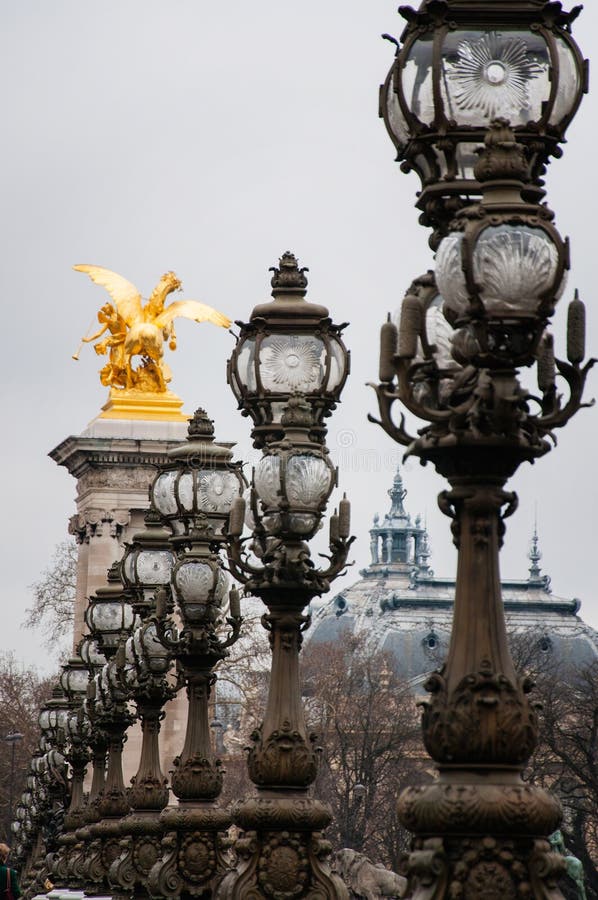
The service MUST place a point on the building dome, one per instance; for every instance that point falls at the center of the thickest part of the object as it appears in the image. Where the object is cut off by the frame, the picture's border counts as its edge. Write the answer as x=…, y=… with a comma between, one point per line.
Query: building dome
x=400, y=607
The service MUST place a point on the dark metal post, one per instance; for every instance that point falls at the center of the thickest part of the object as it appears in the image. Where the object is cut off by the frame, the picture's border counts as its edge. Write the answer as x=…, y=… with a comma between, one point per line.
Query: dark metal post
x=12, y=738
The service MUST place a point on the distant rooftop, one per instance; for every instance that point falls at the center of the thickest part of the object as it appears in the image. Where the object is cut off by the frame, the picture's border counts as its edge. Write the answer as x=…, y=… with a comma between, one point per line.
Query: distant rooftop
x=403, y=608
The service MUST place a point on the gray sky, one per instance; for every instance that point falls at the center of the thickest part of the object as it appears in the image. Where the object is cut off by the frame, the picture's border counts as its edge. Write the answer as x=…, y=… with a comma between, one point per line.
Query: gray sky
x=208, y=138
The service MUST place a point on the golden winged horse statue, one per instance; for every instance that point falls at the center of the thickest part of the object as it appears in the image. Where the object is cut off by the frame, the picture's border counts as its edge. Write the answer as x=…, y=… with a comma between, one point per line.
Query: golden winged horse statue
x=138, y=330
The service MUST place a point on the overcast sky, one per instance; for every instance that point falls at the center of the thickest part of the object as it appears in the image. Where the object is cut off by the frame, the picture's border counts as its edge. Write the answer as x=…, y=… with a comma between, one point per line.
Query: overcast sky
x=208, y=138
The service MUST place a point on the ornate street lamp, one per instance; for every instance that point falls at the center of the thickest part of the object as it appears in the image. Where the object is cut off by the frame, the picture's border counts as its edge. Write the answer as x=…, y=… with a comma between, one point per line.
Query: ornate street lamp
x=205, y=482
x=287, y=371
x=12, y=738
x=110, y=619
x=462, y=63
x=147, y=563
x=289, y=346
x=143, y=667
x=109, y=615
x=74, y=681
x=480, y=831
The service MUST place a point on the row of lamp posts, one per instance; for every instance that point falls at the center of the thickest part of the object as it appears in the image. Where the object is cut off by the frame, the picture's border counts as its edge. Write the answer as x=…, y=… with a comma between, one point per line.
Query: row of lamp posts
x=165, y=620
x=477, y=102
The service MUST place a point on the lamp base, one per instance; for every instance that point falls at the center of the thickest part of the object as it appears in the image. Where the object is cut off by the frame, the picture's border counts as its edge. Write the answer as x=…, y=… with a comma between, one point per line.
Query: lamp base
x=281, y=850
x=482, y=838
x=194, y=852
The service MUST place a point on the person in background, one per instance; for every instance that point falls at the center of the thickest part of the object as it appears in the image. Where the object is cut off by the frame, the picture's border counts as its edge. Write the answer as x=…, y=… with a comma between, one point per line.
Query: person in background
x=9, y=883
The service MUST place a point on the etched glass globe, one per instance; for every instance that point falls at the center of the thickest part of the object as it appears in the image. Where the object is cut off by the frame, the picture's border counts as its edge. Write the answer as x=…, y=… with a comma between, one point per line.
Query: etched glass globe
x=514, y=267
x=156, y=654
x=292, y=363
x=297, y=485
x=488, y=73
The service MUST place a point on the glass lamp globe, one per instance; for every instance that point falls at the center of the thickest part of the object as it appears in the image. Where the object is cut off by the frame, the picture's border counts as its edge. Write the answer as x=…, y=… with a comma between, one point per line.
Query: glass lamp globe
x=452, y=75
x=515, y=267
x=74, y=678
x=147, y=563
x=155, y=657
x=90, y=654
x=199, y=585
x=109, y=620
x=199, y=482
x=109, y=615
x=289, y=346
x=293, y=488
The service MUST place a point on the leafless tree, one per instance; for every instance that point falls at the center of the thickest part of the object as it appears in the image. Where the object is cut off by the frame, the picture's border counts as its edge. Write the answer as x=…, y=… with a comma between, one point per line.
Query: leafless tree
x=566, y=759
x=53, y=607
x=368, y=726
x=22, y=692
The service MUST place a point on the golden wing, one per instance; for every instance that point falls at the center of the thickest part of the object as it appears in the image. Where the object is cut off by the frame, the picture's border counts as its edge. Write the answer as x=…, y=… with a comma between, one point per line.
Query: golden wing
x=191, y=309
x=125, y=295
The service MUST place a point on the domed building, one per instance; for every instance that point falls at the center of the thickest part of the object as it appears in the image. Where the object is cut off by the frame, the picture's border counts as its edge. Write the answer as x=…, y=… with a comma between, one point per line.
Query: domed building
x=400, y=607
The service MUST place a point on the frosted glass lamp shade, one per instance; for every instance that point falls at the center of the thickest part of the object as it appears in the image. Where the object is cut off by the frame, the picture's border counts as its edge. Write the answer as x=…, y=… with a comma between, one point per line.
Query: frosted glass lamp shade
x=145, y=569
x=155, y=654
x=293, y=490
x=513, y=266
x=110, y=620
x=181, y=494
x=75, y=681
x=289, y=346
x=90, y=654
x=199, y=588
x=275, y=366
x=448, y=81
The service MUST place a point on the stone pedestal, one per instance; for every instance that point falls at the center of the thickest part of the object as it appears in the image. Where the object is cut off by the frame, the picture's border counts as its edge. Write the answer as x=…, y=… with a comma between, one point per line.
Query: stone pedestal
x=114, y=462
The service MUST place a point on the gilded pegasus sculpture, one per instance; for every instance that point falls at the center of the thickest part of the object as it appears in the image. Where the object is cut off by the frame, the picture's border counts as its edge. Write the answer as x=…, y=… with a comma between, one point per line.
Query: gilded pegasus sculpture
x=138, y=330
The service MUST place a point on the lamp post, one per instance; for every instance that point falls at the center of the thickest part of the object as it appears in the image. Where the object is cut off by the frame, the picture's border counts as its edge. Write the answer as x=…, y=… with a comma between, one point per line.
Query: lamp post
x=287, y=372
x=74, y=680
x=195, y=492
x=144, y=665
x=13, y=738
x=479, y=830
x=110, y=619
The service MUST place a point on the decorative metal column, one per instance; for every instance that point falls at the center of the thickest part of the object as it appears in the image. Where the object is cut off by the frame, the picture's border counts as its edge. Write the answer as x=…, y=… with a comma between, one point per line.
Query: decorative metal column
x=194, y=493
x=74, y=681
x=97, y=742
x=143, y=669
x=287, y=371
x=110, y=618
x=479, y=830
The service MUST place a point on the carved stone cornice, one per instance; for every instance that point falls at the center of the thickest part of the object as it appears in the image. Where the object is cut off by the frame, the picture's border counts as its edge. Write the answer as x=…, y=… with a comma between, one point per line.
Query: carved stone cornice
x=112, y=478
x=79, y=454
x=94, y=522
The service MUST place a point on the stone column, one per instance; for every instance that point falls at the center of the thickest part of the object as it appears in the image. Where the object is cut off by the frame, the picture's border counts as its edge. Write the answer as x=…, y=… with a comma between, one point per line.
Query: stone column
x=114, y=462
